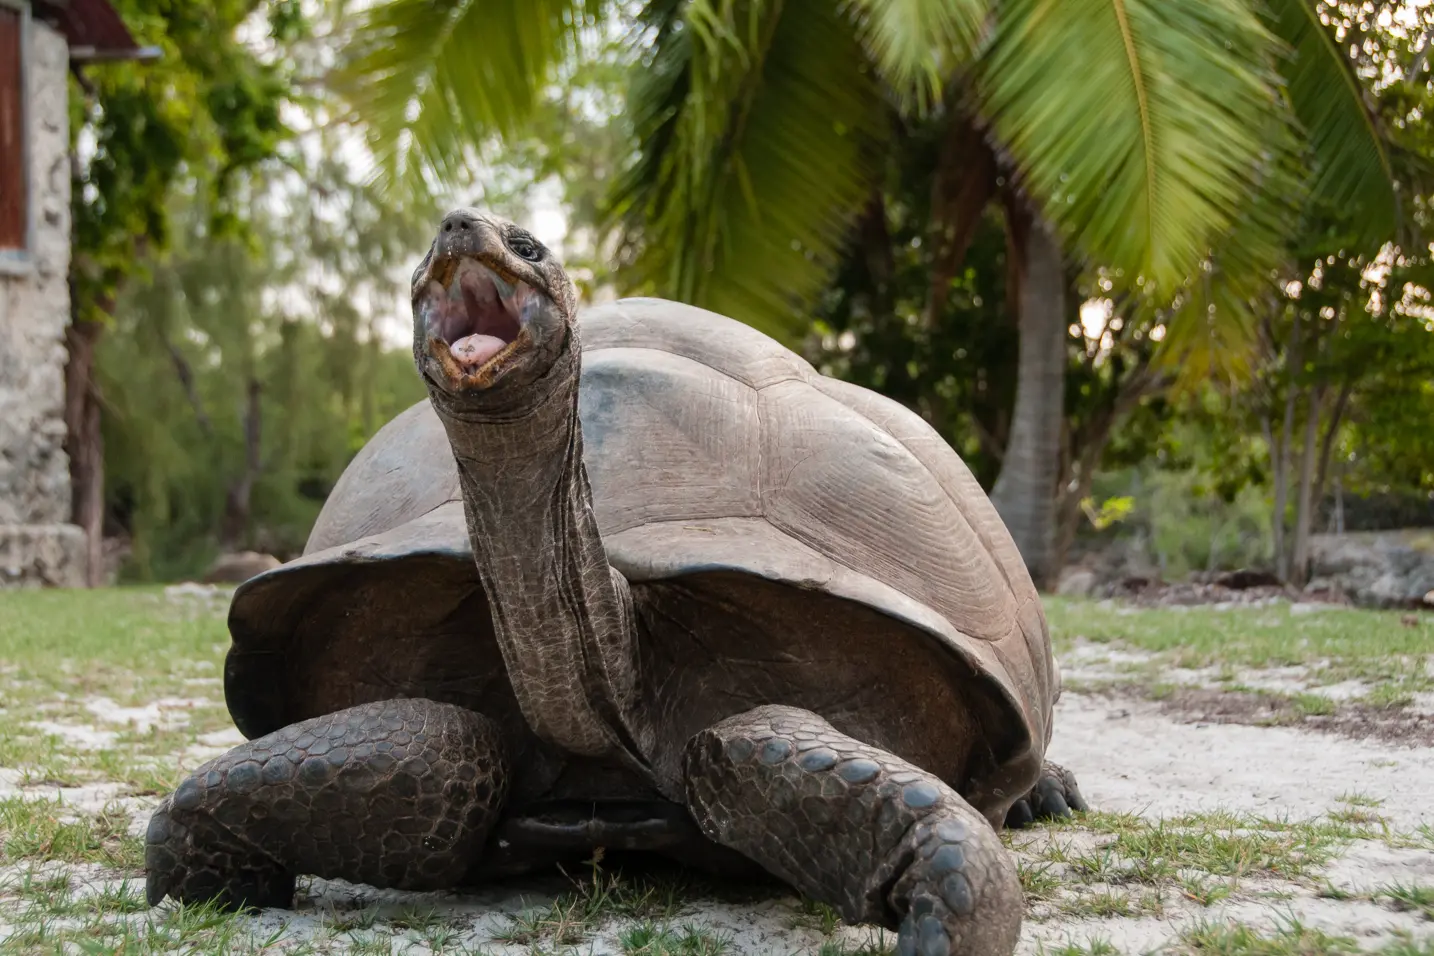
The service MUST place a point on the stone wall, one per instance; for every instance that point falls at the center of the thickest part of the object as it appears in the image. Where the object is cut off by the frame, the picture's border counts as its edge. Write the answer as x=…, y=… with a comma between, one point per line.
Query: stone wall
x=36, y=545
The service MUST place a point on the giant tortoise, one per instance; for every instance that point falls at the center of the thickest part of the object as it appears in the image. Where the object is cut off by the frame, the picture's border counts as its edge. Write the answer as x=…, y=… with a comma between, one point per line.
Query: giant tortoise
x=706, y=602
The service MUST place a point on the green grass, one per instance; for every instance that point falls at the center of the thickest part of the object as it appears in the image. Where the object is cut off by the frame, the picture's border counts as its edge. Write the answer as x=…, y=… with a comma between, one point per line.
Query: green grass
x=64, y=650
x=1095, y=947
x=67, y=650
x=1369, y=645
x=1220, y=939
x=42, y=831
x=1109, y=865
x=108, y=640
x=871, y=947
x=654, y=939
x=1420, y=899
x=818, y=916
x=1291, y=939
x=601, y=898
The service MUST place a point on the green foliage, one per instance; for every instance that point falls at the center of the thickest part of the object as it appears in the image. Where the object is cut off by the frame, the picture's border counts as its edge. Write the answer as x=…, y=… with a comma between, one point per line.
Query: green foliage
x=917, y=43
x=201, y=117
x=757, y=125
x=1353, y=170
x=1194, y=530
x=1154, y=153
x=1111, y=511
x=758, y=140
x=871, y=328
x=298, y=317
x=433, y=81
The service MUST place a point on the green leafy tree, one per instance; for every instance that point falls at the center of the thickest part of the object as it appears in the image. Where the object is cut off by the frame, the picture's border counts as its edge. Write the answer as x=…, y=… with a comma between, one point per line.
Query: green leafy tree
x=198, y=119
x=1137, y=134
x=243, y=373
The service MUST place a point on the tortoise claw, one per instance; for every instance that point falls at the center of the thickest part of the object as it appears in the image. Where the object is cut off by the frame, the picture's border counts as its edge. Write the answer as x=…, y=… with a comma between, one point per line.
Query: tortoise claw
x=1055, y=795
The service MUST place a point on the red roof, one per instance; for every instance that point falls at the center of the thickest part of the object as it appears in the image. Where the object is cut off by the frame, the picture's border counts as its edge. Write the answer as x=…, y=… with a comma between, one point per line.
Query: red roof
x=93, y=28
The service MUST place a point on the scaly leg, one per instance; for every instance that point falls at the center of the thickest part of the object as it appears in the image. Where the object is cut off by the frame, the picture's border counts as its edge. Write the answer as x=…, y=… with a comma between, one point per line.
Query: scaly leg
x=398, y=793
x=856, y=827
x=1054, y=796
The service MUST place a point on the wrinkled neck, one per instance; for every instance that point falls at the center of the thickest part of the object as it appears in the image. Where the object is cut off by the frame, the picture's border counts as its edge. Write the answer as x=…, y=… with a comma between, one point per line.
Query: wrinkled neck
x=562, y=615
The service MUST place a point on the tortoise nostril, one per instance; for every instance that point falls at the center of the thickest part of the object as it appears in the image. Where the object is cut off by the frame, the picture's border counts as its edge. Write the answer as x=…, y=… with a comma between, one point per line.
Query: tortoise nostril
x=463, y=225
x=448, y=227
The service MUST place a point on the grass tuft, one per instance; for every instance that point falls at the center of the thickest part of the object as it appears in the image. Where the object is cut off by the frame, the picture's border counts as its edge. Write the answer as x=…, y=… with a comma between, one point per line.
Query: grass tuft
x=39, y=830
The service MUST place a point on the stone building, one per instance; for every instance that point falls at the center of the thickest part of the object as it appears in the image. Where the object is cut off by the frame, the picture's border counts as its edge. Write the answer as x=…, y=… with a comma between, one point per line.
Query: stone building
x=40, y=42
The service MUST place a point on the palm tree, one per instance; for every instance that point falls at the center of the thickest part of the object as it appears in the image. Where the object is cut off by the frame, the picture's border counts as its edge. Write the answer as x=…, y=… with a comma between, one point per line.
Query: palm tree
x=1167, y=140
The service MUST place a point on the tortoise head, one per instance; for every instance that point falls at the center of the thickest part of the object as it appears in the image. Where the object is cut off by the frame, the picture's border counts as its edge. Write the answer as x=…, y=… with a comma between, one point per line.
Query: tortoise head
x=492, y=309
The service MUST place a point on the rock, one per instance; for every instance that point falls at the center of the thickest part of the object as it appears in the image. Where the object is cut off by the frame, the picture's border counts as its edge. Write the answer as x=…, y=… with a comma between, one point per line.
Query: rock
x=1077, y=582
x=50, y=555
x=1387, y=569
x=239, y=567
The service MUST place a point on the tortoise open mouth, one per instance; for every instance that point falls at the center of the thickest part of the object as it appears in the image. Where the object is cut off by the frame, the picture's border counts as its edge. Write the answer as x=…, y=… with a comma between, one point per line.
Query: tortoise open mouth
x=475, y=317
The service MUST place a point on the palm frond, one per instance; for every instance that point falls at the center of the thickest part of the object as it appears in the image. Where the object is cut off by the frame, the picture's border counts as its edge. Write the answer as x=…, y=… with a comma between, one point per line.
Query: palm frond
x=757, y=123
x=1136, y=124
x=917, y=43
x=431, y=81
x=1351, y=160
x=1211, y=328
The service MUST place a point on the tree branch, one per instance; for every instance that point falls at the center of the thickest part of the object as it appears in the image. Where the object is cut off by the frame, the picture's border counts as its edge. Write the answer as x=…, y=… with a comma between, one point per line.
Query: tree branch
x=186, y=380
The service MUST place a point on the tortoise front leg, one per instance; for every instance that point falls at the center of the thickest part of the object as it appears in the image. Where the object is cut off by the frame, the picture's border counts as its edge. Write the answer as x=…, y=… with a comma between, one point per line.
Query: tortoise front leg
x=398, y=793
x=858, y=828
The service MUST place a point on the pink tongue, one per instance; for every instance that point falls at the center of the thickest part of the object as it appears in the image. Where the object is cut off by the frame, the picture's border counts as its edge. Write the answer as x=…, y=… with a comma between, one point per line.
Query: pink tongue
x=473, y=350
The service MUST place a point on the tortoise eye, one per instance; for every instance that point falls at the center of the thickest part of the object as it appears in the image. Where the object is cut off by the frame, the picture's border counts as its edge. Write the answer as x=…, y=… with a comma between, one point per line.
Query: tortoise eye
x=525, y=248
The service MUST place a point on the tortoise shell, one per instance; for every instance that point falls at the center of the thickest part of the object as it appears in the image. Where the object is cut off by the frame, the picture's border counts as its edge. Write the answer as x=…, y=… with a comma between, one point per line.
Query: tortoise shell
x=714, y=453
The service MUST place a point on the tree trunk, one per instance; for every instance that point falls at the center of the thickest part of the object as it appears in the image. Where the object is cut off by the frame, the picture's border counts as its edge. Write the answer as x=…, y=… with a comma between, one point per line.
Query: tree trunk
x=84, y=444
x=1338, y=519
x=1336, y=416
x=1281, y=455
x=186, y=381
x=964, y=183
x=1304, y=503
x=1025, y=490
x=1277, y=478
x=237, y=502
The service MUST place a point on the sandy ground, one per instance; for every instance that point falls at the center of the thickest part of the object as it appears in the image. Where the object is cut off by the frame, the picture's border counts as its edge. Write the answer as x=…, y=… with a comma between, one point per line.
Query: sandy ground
x=1131, y=756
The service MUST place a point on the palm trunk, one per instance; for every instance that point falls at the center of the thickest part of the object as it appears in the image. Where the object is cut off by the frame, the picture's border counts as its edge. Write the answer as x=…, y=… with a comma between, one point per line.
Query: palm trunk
x=1025, y=490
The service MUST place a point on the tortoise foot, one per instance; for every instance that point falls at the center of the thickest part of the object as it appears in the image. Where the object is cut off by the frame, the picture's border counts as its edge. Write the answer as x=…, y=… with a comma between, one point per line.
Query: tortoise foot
x=1054, y=796
x=858, y=828
x=399, y=793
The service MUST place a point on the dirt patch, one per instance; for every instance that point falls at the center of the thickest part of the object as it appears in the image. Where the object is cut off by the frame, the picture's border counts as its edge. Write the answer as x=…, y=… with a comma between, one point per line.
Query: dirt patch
x=1132, y=756
x=1149, y=592
x=1400, y=726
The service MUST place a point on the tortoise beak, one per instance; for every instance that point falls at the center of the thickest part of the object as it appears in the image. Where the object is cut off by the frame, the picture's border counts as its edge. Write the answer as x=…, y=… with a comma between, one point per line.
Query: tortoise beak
x=481, y=313
x=473, y=316
x=474, y=320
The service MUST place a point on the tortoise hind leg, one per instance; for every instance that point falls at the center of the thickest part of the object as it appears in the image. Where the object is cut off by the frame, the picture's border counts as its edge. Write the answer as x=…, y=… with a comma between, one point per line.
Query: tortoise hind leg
x=856, y=827
x=1053, y=797
x=398, y=793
